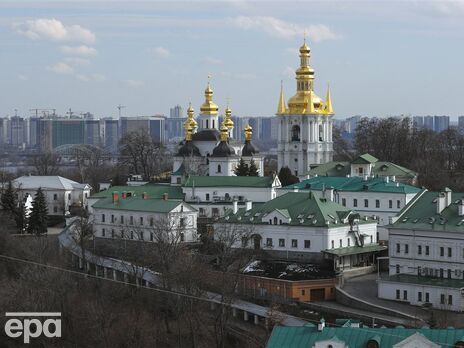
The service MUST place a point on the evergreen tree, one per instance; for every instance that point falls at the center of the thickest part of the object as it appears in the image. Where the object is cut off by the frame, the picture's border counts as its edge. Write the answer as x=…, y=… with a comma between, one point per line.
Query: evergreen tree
x=253, y=169
x=9, y=201
x=38, y=218
x=242, y=168
x=286, y=177
x=20, y=217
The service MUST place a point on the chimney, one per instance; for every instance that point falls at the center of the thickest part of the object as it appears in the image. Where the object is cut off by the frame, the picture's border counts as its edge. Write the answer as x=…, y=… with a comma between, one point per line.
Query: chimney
x=448, y=194
x=387, y=179
x=321, y=325
x=115, y=197
x=441, y=201
x=461, y=207
x=165, y=196
x=248, y=205
x=330, y=193
x=144, y=195
x=393, y=178
x=235, y=206
x=124, y=194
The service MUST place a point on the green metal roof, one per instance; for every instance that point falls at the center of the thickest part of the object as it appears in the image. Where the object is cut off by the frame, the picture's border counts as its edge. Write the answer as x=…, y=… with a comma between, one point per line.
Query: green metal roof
x=353, y=184
x=380, y=168
x=153, y=191
x=138, y=204
x=366, y=158
x=428, y=281
x=229, y=181
x=355, y=250
x=304, y=209
x=305, y=336
x=421, y=214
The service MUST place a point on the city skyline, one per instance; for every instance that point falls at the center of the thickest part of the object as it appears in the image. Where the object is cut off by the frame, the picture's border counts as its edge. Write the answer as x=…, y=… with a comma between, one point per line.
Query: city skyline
x=157, y=55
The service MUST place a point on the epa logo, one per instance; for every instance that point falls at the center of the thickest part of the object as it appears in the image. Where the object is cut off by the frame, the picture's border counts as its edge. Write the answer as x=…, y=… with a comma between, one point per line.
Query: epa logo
x=30, y=325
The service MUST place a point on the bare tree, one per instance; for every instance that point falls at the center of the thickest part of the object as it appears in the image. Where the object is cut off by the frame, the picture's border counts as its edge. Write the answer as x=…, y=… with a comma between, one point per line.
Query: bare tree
x=46, y=163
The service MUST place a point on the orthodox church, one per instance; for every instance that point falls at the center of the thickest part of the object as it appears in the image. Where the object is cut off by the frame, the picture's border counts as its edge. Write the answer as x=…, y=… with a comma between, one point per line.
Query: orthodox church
x=304, y=134
x=306, y=123
x=208, y=148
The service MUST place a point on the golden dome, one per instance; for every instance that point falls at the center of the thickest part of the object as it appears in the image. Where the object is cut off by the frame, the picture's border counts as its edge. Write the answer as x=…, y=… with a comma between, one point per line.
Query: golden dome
x=248, y=132
x=305, y=48
x=208, y=107
x=224, y=132
x=228, y=119
x=190, y=118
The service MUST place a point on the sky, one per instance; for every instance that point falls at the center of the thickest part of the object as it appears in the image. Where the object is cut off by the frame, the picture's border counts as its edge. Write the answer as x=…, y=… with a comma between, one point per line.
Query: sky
x=380, y=57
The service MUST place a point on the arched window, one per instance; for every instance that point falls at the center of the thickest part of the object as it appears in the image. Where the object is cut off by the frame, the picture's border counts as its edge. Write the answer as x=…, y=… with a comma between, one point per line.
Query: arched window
x=296, y=133
x=321, y=132
x=213, y=124
x=207, y=124
x=275, y=220
x=219, y=168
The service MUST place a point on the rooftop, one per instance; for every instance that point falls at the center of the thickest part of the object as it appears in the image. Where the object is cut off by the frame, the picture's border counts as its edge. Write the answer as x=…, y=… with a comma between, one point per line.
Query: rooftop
x=229, y=181
x=303, y=209
x=307, y=336
x=153, y=191
x=289, y=270
x=138, y=204
x=54, y=182
x=353, y=184
x=421, y=214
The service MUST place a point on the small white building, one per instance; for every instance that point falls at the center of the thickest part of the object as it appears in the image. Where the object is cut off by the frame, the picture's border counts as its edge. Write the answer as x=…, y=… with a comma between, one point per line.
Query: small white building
x=426, y=265
x=60, y=193
x=140, y=217
x=378, y=197
x=300, y=225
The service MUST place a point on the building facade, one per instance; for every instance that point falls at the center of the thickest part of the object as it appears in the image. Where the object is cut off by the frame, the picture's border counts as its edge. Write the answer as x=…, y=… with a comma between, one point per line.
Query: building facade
x=426, y=265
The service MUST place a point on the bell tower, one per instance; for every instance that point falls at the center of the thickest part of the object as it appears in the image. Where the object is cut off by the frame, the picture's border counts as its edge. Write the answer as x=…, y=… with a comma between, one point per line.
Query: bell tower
x=305, y=125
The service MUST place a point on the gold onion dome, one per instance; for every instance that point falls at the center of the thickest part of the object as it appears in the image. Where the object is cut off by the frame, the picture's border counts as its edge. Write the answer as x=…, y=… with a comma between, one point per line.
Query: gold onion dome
x=248, y=132
x=228, y=119
x=190, y=117
x=208, y=107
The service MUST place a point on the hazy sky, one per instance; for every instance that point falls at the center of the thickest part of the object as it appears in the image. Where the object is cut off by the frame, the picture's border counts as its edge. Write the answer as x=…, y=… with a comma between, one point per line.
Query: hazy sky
x=380, y=57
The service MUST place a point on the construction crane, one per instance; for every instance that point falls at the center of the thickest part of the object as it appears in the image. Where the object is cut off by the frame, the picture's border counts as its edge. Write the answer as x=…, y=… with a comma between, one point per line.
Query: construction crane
x=44, y=112
x=119, y=107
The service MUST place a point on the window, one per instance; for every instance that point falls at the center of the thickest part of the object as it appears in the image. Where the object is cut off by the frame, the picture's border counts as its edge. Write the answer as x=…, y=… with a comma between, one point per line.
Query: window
x=103, y=217
x=112, y=233
x=419, y=270
x=141, y=235
x=398, y=204
x=340, y=242
x=390, y=204
x=405, y=294
x=450, y=299
x=355, y=202
x=182, y=237
x=112, y=218
x=182, y=222
x=366, y=203
x=303, y=292
x=360, y=170
x=419, y=250
x=296, y=133
x=307, y=244
x=333, y=244
x=427, y=297
x=131, y=220
x=269, y=242
x=151, y=221
x=219, y=168
x=141, y=221
x=397, y=269
x=441, y=272
x=427, y=250
x=377, y=203
x=69, y=196
x=449, y=274
x=398, y=248
x=132, y=235
x=348, y=241
x=103, y=232
x=442, y=251
x=294, y=243
x=281, y=242
x=371, y=238
x=419, y=296
x=344, y=202
x=280, y=222
x=442, y=299
x=215, y=211
x=398, y=294
x=151, y=237
x=450, y=252
x=55, y=209
x=406, y=248
x=122, y=219
x=55, y=197
x=207, y=124
x=207, y=196
x=275, y=220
